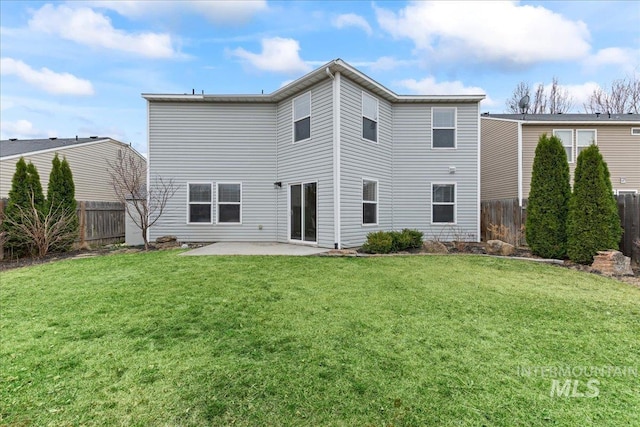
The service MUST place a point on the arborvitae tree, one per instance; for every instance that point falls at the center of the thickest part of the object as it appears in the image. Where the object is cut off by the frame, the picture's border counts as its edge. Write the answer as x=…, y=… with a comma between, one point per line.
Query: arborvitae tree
x=26, y=191
x=547, y=210
x=593, y=224
x=61, y=197
x=35, y=187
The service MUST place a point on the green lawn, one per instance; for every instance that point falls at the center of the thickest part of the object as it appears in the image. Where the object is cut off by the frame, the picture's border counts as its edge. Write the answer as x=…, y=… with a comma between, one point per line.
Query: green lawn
x=159, y=339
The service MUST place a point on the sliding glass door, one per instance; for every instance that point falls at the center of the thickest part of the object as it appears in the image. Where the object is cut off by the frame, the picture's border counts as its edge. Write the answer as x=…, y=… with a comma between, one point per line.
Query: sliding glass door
x=303, y=200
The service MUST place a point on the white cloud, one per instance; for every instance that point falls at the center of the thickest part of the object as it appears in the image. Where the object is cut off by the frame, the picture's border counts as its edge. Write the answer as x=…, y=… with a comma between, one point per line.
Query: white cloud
x=626, y=59
x=218, y=12
x=85, y=26
x=579, y=93
x=497, y=32
x=429, y=86
x=45, y=79
x=385, y=63
x=278, y=55
x=352, y=20
x=21, y=129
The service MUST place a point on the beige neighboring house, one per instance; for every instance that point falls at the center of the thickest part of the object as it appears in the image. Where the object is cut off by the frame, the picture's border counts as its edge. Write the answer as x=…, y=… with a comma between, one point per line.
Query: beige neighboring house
x=87, y=157
x=508, y=143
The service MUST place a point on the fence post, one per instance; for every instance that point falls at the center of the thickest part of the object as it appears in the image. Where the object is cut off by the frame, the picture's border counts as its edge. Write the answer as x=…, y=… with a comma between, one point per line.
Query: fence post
x=1, y=232
x=83, y=223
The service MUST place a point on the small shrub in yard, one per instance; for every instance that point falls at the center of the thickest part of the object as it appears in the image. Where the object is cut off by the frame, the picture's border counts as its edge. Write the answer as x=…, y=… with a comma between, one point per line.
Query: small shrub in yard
x=379, y=242
x=384, y=242
x=411, y=239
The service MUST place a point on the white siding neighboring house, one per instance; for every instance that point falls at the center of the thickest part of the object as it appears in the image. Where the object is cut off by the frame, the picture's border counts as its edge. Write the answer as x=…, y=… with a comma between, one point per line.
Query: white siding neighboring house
x=88, y=159
x=323, y=161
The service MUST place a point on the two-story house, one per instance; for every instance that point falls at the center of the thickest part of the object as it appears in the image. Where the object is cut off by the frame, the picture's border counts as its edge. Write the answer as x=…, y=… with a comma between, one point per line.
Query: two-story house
x=323, y=160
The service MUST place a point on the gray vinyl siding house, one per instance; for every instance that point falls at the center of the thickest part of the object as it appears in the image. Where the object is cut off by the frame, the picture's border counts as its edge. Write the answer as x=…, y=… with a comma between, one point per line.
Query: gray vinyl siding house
x=324, y=160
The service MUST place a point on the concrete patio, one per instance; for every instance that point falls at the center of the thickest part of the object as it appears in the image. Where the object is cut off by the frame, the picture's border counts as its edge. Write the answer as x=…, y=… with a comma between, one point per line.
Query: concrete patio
x=255, y=248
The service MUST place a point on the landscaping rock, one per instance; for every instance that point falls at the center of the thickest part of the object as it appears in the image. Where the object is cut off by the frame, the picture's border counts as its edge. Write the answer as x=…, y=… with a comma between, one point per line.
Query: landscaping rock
x=167, y=239
x=612, y=263
x=166, y=242
x=434, y=247
x=498, y=247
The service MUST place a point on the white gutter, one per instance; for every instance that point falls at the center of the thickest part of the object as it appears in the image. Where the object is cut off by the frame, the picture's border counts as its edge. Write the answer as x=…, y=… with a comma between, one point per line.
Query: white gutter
x=336, y=160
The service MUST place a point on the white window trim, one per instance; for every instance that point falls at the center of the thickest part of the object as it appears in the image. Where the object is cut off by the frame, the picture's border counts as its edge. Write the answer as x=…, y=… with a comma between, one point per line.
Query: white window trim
x=455, y=203
x=370, y=118
x=293, y=115
x=455, y=128
x=199, y=203
x=370, y=202
x=631, y=191
x=218, y=203
x=595, y=138
x=635, y=131
x=573, y=144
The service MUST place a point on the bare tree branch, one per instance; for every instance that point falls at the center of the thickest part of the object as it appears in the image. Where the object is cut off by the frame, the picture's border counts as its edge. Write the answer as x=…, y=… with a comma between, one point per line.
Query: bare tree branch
x=557, y=101
x=623, y=96
x=42, y=230
x=144, y=206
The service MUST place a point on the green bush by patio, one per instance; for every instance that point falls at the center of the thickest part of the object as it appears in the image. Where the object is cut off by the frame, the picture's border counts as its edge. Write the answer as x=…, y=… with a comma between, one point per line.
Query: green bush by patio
x=156, y=339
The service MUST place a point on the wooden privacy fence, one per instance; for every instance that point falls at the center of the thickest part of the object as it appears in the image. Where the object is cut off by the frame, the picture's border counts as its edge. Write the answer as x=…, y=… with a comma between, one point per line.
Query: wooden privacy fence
x=504, y=219
x=629, y=211
x=101, y=223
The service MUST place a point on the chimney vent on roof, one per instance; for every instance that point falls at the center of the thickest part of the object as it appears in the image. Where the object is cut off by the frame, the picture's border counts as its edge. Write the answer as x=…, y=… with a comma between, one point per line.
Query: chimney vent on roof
x=76, y=137
x=93, y=137
x=13, y=139
x=598, y=115
x=53, y=138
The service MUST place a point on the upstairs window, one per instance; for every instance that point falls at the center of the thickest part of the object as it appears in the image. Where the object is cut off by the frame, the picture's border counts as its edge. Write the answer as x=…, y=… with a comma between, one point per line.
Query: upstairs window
x=369, y=117
x=635, y=131
x=302, y=117
x=566, y=136
x=443, y=121
x=229, y=203
x=443, y=204
x=200, y=202
x=584, y=138
x=369, y=202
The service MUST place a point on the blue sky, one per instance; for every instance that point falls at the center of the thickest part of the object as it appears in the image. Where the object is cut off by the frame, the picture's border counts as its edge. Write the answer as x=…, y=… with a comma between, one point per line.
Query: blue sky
x=78, y=68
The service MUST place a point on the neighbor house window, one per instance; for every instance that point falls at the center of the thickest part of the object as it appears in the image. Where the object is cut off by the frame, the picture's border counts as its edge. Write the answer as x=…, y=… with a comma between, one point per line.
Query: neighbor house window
x=369, y=117
x=584, y=138
x=369, y=202
x=566, y=136
x=200, y=202
x=443, y=203
x=443, y=121
x=302, y=117
x=229, y=203
x=635, y=131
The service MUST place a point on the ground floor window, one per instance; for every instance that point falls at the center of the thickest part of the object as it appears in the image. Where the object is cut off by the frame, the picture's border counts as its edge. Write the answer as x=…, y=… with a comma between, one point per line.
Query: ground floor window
x=229, y=203
x=369, y=202
x=200, y=202
x=443, y=203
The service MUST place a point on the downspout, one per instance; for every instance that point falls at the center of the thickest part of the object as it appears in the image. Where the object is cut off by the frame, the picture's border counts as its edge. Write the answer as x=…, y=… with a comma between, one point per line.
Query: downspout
x=520, y=164
x=479, y=177
x=336, y=158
